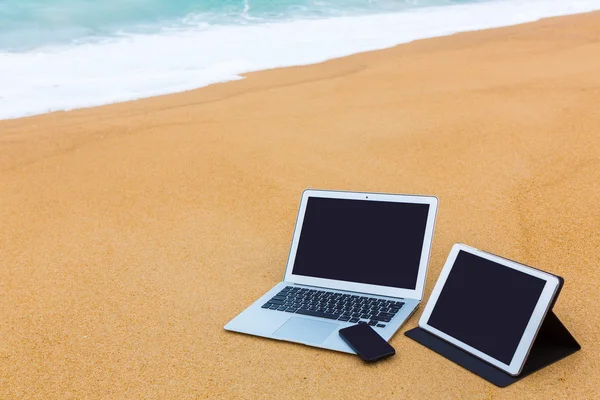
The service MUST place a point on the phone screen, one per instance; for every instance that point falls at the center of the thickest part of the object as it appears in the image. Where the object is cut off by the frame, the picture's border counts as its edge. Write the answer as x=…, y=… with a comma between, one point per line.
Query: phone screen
x=366, y=342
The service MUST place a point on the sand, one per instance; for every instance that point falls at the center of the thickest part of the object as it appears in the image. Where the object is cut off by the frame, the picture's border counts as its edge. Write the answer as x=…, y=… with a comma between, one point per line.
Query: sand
x=130, y=234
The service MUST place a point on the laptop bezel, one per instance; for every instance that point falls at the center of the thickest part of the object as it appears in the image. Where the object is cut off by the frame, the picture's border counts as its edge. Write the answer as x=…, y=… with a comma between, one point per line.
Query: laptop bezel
x=537, y=316
x=416, y=293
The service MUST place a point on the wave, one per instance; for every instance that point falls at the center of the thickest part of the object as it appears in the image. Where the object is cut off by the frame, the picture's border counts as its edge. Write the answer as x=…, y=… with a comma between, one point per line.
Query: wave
x=29, y=24
x=137, y=65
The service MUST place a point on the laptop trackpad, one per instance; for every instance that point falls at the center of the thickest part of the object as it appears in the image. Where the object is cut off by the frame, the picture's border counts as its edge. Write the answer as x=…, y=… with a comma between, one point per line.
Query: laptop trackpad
x=305, y=330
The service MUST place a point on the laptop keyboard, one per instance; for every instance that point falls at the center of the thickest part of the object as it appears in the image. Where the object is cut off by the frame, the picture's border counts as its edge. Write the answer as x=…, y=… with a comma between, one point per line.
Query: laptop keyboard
x=333, y=305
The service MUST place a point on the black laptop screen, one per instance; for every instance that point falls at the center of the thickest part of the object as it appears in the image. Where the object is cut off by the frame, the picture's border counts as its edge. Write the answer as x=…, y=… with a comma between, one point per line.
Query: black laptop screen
x=374, y=242
x=486, y=305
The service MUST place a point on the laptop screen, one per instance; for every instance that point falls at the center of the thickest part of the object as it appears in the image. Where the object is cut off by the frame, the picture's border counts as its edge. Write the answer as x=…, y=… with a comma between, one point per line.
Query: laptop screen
x=362, y=241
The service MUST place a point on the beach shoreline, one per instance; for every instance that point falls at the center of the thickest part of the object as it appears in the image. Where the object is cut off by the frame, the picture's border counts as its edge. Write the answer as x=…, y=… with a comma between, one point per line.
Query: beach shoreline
x=131, y=233
x=100, y=70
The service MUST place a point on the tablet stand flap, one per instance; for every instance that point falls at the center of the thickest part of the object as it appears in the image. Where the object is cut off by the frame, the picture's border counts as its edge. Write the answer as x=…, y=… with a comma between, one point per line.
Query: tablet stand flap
x=552, y=343
x=461, y=357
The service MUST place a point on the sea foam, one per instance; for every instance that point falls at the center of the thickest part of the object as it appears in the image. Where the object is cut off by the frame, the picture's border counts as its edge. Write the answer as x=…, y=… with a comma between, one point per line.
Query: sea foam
x=143, y=65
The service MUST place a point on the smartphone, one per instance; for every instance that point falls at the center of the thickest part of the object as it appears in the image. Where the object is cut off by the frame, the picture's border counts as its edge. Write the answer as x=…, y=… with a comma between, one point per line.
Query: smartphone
x=366, y=342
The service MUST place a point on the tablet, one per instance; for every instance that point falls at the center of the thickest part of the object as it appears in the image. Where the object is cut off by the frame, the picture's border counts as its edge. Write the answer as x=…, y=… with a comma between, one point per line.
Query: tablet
x=489, y=306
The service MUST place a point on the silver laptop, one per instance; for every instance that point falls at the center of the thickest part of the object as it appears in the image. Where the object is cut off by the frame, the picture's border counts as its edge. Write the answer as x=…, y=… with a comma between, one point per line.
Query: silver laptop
x=354, y=258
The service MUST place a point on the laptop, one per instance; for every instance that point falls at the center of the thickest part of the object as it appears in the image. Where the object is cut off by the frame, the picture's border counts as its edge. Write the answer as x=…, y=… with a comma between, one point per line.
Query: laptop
x=354, y=258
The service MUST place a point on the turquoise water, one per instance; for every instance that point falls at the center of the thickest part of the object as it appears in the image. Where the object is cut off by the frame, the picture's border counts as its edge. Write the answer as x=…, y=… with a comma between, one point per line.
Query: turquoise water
x=66, y=54
x=29, y=24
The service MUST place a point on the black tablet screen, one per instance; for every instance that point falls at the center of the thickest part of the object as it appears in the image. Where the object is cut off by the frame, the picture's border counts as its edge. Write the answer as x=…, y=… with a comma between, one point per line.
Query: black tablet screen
x=486, y=305
x=364, y=241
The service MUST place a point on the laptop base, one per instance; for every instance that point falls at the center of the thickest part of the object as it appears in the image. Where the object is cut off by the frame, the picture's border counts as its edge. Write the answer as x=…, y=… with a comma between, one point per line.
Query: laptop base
x=553, y=343
x=304, y=329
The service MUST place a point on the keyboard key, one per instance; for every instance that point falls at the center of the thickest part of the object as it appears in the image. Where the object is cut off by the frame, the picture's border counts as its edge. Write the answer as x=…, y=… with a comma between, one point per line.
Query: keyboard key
x=342, y=318
x=266, y=305
x=372, y=323
x=380, y=325
x=362, y=322
x=385, y=314
x=382, y=319
x=281, y=308
x=354, y=320
x=276, y=301
x=317, y=314
x=290, y=310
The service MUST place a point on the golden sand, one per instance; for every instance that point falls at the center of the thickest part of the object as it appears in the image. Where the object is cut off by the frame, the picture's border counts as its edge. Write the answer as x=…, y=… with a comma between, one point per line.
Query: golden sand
x=131, y=233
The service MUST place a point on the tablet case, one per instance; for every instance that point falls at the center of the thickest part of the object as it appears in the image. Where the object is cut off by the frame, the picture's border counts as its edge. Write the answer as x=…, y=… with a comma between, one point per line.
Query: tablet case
x=552, y=343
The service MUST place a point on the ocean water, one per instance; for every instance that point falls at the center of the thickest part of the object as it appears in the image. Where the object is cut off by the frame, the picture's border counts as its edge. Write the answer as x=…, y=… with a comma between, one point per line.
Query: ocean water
x=65, y=54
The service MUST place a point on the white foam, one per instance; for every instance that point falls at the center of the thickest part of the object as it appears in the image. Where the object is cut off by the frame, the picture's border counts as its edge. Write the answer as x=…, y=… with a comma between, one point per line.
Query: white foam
x=64, y=78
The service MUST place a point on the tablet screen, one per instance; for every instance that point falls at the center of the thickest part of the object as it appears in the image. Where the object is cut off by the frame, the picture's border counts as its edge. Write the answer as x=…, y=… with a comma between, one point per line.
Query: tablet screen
x=486, y=305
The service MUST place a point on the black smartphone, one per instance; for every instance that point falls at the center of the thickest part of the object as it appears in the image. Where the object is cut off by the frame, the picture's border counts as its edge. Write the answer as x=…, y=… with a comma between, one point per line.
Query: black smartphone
x=366, y=342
